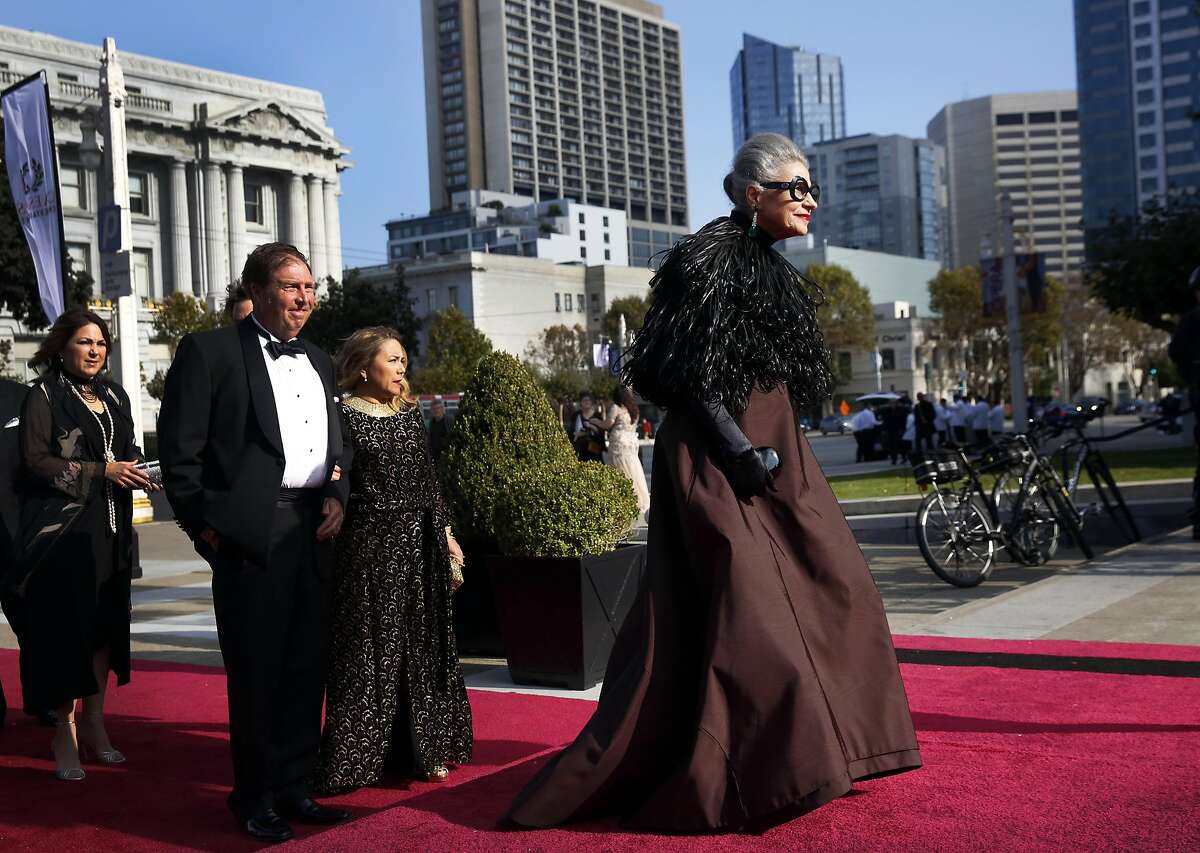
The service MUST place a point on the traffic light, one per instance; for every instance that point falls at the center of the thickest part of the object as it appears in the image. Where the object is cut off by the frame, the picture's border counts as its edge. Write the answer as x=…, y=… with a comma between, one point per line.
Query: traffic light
x=1154, y=371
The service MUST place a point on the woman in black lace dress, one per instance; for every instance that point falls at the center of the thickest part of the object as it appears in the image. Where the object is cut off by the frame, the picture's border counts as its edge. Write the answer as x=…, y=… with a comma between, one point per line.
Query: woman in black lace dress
x=395, y=694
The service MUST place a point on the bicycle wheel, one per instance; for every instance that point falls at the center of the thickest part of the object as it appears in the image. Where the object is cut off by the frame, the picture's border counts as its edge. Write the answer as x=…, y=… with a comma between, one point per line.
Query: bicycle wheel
x=956, y=541
x=1111, y=498
x=1004, y=499
x=1068, y=516
x=1034, y=530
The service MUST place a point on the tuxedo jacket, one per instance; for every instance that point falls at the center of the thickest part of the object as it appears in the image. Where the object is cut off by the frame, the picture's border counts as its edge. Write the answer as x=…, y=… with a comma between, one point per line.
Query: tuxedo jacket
x=219, y=442
x=12, y=397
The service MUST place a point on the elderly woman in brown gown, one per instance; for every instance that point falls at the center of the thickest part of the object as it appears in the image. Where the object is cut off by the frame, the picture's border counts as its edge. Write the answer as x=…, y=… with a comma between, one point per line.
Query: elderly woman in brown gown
x=755, y=675
x=395, y=695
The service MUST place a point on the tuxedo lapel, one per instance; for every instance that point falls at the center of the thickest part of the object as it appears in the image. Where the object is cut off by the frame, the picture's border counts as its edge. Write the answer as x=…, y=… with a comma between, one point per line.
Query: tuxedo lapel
x=262, y=396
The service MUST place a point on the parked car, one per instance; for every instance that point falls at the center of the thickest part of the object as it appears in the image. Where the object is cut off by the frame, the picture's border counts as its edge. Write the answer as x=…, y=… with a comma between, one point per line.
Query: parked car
x=805, y=422
x=836, y=424
x=1130, y=407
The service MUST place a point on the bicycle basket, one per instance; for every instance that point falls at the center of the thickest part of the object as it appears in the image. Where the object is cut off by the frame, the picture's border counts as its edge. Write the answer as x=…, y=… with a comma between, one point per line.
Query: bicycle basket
x=937, y=467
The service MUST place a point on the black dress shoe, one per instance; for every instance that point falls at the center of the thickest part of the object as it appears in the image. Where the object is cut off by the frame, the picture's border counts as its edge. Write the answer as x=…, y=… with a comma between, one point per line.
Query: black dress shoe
x=307, y=810
x=268, y=826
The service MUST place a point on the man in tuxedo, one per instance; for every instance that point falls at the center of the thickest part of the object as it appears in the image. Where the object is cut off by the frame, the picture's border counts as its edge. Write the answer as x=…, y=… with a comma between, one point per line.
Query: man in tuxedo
x=12, y=397
x=249, y=437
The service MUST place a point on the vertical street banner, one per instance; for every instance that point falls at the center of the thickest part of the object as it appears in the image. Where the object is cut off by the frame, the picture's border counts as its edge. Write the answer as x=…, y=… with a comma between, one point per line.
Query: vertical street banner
x=29, y=156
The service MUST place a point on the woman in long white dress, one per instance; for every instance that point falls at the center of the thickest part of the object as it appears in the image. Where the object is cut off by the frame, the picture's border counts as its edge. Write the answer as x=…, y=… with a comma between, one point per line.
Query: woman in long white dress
x=623, y=418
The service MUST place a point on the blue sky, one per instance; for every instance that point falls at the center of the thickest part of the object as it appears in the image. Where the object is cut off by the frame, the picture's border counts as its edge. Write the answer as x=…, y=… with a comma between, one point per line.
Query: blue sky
x=903, y=62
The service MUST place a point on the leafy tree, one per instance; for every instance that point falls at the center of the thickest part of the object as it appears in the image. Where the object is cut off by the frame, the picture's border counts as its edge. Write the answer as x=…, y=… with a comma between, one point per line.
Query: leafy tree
x=455, y=349
x=980, y=343
x=352, y=304
x=182, y=314
x=633, y=307
x=846, y=317
x=562, y=349
x=1140, y=265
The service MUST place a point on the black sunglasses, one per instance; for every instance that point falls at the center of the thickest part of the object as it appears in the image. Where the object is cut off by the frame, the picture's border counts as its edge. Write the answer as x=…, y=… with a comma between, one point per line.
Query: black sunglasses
x=797, y=186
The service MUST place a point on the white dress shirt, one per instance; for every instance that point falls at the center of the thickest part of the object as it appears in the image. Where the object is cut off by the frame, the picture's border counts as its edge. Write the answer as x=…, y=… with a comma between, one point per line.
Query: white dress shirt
x=863, y=420
x=303, y=416
x=996, y=419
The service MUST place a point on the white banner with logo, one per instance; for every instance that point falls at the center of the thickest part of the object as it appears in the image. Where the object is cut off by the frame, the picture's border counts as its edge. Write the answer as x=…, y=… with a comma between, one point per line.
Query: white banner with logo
x=33, y=176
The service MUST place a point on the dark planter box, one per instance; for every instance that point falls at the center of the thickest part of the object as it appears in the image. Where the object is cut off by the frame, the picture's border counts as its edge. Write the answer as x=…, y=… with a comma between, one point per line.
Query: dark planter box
x=559, y=616
x=476, y=630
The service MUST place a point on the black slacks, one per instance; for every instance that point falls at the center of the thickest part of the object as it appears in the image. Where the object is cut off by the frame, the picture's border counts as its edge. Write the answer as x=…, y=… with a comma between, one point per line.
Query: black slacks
x=273, y=625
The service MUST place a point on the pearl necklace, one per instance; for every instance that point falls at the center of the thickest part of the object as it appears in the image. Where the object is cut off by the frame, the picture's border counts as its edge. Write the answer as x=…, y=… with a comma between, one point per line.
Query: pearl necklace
x=107, y=433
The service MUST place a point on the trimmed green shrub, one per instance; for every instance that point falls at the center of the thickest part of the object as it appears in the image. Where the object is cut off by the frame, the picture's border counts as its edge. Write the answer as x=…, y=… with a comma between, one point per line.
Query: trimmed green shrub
x=564, y=510
x=503, y=424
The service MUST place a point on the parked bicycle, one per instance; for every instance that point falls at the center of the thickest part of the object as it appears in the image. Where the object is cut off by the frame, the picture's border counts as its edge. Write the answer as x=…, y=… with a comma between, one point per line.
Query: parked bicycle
x=1075, y=457
x=961, y=527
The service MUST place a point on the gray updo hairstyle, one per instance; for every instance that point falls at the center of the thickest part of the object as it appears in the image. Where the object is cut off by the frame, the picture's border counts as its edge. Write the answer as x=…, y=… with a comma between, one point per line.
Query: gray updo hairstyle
x=756, y=161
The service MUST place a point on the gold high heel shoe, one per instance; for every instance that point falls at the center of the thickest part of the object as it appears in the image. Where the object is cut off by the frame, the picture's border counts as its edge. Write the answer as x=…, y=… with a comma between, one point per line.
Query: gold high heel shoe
x=65, y=774
x=438, y=774
x=104, y=756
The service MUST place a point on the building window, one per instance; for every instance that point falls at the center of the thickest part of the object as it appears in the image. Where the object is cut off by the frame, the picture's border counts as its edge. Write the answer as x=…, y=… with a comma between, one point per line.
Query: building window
x=580, y=218
x=607, y=255
x=254, y=203
x=605, y=221
x=81, y=257
x=74, y=194
x=430, y=301
x=583, y=251
x=579, y=303
x=605, y=236
x=452, y=293
x=558, y=302
x=139, y=199
x=140, y=264
x=582, y=234
x=887, y=358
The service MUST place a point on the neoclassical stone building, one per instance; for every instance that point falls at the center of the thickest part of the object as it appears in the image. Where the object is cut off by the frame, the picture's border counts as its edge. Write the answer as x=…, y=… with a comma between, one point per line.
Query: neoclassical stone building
x=218, y=164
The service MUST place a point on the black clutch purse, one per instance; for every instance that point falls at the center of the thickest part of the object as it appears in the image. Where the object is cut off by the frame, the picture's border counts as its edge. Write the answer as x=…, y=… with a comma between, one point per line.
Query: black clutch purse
x=153, y=470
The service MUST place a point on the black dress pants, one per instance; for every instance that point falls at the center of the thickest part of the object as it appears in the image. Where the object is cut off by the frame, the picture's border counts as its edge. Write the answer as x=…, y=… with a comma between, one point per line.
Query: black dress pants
x=273, y=625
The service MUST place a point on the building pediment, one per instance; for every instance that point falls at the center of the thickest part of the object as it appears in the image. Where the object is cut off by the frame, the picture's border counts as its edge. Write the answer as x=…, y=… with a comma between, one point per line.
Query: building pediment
x=274, y=121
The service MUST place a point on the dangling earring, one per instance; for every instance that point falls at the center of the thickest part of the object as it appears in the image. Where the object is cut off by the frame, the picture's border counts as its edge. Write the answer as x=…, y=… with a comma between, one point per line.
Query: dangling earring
x=363, y=375
x=754, y=222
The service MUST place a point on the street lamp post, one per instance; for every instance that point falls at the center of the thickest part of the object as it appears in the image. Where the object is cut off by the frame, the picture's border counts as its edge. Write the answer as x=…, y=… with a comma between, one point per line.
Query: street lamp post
x=115, y=233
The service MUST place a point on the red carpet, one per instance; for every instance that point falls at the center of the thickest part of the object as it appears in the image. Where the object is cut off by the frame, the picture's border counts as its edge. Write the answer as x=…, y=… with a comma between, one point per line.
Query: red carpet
x=1016, y=759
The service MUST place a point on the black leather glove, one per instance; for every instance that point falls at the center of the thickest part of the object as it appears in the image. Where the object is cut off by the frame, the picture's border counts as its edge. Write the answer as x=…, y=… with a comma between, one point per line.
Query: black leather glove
x=742, y=465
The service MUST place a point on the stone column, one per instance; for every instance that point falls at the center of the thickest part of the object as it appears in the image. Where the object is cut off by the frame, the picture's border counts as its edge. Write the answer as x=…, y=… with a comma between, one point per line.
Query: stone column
x=214, y=232
x=297, y=214
x=333, y=230
x=235, y=194
x=181, y=232
x=316, y=228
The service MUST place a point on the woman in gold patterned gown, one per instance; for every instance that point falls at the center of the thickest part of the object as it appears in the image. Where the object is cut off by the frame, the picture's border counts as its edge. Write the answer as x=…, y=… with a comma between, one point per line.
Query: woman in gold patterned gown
x=395, y=695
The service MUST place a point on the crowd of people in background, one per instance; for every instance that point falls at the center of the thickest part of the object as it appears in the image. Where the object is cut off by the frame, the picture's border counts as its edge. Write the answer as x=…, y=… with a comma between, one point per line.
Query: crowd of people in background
x=895, y=429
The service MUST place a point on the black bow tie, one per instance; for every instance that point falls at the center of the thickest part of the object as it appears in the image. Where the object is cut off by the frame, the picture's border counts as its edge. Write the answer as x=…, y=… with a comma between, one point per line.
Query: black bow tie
x=278, y=348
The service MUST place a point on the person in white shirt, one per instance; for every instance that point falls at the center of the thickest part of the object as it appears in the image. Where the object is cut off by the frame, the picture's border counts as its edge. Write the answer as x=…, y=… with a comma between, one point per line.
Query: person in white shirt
x=941, y=421
x=865, y=426
x=958, y=426
x=996, y=418
x=910, y=434
x=979, y=420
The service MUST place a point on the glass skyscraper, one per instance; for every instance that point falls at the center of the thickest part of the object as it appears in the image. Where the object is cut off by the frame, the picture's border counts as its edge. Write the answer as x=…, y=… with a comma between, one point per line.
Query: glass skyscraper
x=786, y=90
x=1138, y=70
x=882, y=193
